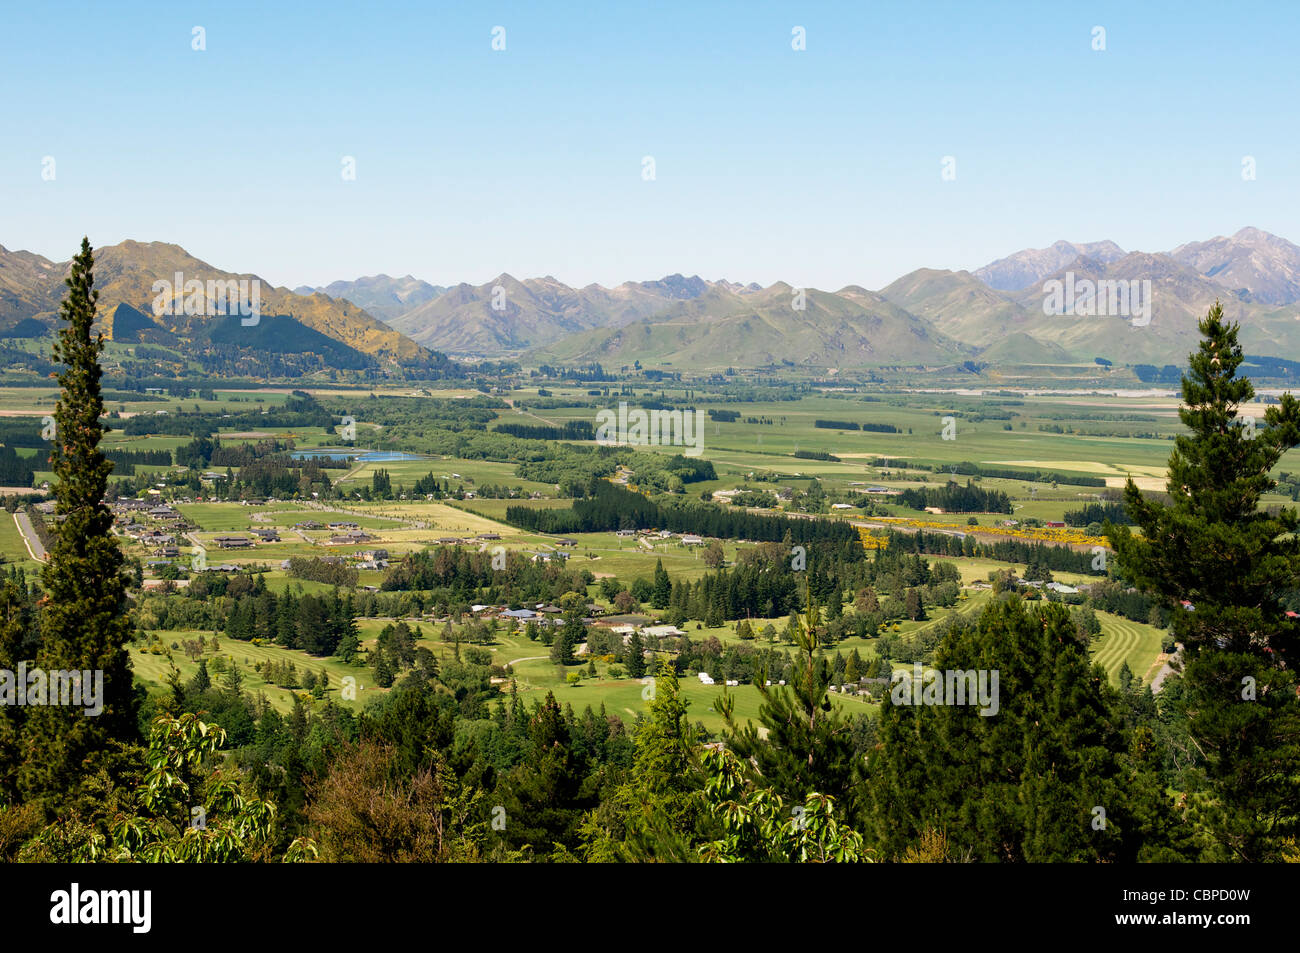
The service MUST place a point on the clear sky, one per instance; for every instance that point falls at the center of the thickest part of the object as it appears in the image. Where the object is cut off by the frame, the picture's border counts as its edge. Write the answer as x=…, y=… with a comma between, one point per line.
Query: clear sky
x=819, y=167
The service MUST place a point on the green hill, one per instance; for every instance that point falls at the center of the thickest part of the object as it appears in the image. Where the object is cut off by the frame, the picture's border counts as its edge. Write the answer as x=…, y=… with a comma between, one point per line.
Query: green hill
x=721, y=329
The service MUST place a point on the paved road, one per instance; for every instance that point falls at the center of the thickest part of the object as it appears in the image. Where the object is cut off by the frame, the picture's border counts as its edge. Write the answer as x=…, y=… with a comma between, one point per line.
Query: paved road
x=1166, y=670
x=29, y=536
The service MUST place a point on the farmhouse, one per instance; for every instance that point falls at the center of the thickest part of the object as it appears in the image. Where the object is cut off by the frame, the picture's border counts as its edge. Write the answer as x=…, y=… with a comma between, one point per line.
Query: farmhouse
x=233, y=542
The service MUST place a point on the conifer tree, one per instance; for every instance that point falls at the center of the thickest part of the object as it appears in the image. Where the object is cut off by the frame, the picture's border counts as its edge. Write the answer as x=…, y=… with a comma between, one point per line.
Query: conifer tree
x=653, y=815
x=84, y=623
x=1040, y=769
x=1221, y=565
x=809, y=746
x=661, y=594
x=635, y=661
x=11, y=716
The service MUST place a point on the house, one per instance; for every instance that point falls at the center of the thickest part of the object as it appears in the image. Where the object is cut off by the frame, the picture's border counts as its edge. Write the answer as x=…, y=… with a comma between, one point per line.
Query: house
x=488, y=536
x=1061, y=588
x=692, y=541
x=625, y=533
x=520, y=614
x=566, y=542
x=595, y=610
x=662, y=631
x=268, y=535
x=449, y=541
x=233, y=542
x=1055, y=524
x=546, y=607
x=841, y=506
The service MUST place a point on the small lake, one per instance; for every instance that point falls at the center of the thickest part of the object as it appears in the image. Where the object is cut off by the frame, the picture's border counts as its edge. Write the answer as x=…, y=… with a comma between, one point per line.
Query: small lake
x=361, y=456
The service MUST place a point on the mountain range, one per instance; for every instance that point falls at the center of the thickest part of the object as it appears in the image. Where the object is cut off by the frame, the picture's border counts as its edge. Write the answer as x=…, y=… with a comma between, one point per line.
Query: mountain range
x=337, y=331
x=995, y=314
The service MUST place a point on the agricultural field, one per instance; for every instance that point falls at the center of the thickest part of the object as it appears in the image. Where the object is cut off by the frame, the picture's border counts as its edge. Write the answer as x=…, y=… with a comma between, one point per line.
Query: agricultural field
x=1123, y=640
x=1102, y=438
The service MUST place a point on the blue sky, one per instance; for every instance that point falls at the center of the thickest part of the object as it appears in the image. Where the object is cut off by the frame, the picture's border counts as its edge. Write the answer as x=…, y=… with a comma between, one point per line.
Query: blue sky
x=820, y=167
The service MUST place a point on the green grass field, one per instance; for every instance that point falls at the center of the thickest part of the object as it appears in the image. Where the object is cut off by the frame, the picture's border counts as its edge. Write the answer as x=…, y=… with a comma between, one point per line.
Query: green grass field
x=997, y=430
x=1125, y=641
x=12, y=547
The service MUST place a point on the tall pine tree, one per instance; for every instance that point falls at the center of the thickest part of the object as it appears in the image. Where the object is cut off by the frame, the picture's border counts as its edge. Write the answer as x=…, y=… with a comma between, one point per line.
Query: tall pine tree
x=808, y=746
x=1212, y=547
x=84, y=623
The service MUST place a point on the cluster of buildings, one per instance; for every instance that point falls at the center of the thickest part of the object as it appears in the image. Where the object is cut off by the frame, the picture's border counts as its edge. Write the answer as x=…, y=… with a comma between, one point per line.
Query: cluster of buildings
x=549, y=614
x=687, y=539
x=151, y=523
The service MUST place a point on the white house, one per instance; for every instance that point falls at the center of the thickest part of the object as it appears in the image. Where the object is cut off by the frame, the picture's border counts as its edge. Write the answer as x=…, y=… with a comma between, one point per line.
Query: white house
x=662, y=631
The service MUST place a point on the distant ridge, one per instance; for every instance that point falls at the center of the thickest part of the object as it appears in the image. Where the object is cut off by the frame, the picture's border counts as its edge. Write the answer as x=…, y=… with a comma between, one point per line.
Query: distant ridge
x=996, y=314
x=1032, y=265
